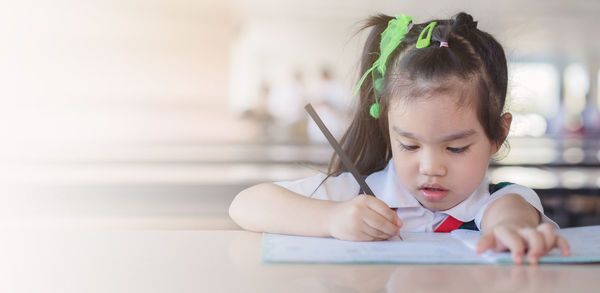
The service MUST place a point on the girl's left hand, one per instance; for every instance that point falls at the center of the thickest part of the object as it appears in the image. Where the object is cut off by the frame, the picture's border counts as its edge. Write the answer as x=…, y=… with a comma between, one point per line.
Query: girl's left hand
x=538, y=241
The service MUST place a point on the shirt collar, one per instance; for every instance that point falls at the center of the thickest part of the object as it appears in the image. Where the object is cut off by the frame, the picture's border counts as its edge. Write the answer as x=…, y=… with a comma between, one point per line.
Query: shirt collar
x=468, y=208
x=387, y=187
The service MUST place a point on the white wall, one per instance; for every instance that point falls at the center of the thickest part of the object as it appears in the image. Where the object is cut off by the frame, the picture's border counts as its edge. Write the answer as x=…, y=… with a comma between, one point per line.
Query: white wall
x=271, y=50
x=81, y=73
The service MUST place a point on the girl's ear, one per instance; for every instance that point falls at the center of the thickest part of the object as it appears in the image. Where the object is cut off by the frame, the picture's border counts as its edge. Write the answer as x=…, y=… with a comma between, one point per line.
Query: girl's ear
x=505, y=121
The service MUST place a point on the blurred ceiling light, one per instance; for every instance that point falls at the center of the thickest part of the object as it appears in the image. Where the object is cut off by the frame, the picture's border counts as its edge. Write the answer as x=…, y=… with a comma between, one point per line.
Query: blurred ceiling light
x=532, y=124
x=531, y=177
x=534, y=88
x=576, y=86
x=573, y=179
x=573, y=155
x=530, y=155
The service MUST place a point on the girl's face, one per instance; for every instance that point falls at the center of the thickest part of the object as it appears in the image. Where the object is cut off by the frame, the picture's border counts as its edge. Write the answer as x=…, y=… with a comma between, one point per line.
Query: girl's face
x=440, y=150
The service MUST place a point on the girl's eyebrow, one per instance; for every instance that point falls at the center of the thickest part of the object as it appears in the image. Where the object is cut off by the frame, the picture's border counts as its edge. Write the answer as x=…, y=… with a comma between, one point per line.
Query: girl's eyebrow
x=456, y=136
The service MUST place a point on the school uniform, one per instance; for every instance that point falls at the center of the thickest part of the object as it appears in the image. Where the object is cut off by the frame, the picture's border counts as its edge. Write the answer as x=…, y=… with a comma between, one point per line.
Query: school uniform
x=414, y=216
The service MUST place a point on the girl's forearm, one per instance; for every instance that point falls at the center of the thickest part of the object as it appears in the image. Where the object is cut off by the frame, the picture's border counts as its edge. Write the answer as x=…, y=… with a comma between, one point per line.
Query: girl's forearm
x=510, y=208
x=274, y=209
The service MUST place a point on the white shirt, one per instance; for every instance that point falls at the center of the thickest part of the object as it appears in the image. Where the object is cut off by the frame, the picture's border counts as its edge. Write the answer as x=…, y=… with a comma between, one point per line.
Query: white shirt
x=414, y=216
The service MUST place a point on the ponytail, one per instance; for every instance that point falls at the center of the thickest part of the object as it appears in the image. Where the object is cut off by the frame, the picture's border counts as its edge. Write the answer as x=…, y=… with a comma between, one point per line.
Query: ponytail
x=366, y=142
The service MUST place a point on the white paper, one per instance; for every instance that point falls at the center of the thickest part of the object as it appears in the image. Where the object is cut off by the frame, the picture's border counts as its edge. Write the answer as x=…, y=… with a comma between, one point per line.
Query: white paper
x=455, y=247
x=414, y=248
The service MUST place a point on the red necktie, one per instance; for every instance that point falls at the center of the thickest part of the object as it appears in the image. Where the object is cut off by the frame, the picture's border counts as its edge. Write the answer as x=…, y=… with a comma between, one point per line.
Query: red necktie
x=448, y=225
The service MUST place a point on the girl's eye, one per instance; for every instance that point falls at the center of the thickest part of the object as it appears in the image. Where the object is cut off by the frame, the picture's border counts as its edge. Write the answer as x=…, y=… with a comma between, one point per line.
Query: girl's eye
x=458, y=150
x=409, y=147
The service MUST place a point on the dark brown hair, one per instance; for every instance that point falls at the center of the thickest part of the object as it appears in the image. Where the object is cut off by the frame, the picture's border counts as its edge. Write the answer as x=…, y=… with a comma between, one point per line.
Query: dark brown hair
x=473, y=57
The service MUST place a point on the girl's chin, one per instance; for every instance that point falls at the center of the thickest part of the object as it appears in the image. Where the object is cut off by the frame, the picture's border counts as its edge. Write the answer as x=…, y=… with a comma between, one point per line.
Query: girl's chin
x=436, y=205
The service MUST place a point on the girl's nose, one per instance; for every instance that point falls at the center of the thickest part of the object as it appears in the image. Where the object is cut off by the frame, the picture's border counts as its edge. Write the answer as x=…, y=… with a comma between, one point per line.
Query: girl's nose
x=431, y=164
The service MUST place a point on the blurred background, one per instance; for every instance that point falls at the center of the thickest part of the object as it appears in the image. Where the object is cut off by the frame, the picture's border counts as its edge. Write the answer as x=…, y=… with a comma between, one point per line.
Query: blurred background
x=154, y=114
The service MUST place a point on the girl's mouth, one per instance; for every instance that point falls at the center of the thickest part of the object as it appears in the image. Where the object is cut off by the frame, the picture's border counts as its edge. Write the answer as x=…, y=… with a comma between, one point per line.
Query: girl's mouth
x=433, y=193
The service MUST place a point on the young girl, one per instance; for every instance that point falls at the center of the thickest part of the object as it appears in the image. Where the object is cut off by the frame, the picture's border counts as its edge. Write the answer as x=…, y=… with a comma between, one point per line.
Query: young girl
x=430, y=118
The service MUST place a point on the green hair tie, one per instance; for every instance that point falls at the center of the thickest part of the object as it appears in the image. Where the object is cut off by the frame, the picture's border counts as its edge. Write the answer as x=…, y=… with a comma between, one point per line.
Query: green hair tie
x=391, y=37
x=425, y=42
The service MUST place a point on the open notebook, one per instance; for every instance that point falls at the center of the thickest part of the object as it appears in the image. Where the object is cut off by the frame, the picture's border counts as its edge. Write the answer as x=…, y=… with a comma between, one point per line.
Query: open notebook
x=456, y=247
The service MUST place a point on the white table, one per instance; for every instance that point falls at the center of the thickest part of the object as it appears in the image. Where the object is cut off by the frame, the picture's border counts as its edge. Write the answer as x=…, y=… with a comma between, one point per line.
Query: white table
x=78, y=260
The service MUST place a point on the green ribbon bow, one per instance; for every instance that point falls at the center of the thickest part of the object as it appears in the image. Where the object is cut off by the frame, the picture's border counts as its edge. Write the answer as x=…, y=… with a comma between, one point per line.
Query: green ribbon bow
x=391, y=37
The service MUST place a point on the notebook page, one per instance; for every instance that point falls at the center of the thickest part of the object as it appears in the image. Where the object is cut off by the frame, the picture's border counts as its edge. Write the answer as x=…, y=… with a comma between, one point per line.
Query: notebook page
x=584, y=243
x=432, y=248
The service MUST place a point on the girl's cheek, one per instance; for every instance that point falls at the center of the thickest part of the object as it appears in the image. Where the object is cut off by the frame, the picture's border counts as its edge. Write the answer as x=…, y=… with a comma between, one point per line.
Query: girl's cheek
x=405, y=158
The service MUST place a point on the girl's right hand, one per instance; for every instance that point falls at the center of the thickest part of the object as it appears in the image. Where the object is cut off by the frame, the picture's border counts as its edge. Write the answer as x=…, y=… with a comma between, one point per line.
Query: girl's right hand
x=363, y=218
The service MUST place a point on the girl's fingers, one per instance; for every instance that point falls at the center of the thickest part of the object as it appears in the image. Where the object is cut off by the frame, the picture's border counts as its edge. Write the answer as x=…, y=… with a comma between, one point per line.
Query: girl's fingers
x=535, y=242
x=513, y=241
x=549, y=235
x=538, y=242
x=381, y=224
x=554, y=240
x=373, y=233
x=384, y=210
x=485, y=242
x=563, y=245
x=362, y=236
